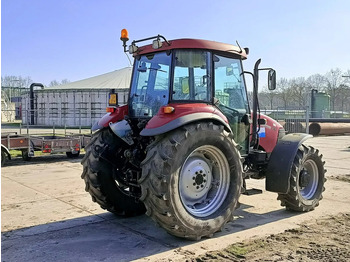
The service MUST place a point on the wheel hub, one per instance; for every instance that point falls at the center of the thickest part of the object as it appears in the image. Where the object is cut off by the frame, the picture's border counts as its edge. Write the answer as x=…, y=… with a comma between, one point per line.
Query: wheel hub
x=204, y=181
x=304, y=178
x=308, y=179
x=199, y=178
x=196, y=181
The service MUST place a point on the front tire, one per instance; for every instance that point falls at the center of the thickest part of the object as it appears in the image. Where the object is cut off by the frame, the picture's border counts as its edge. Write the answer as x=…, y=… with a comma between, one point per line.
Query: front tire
x=306, y=181
x=102, y=158
x=191, y=180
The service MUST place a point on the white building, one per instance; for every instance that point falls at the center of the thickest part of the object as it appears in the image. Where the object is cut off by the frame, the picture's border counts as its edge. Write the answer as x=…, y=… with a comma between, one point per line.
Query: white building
x=76, y=104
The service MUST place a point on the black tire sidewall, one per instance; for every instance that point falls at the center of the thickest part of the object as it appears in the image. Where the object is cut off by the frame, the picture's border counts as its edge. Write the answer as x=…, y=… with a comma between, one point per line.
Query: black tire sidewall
x=99, y=175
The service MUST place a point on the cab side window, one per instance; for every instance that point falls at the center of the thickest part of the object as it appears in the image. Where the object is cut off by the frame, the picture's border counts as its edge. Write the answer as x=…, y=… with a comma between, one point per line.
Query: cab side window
x=229, y=83
x=191, y=75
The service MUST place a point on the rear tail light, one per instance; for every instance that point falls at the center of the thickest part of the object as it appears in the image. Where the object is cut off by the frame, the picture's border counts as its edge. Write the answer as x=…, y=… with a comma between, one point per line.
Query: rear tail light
x=110, y=109
x=47, y=149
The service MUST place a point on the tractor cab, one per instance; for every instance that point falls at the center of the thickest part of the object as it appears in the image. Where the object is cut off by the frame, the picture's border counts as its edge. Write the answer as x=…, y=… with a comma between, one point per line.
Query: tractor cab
x=168, y=75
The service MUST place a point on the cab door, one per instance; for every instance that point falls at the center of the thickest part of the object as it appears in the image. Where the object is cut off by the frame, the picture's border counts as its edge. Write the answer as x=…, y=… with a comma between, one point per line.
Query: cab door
x=230, y=96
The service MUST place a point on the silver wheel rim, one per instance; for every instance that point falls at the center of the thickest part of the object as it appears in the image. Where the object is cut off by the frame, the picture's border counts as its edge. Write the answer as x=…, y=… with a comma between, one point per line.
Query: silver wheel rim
x=204, y=181
x=308, y=191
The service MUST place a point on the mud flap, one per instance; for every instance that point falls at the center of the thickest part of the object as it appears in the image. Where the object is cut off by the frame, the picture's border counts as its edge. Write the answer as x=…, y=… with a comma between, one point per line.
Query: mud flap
x=281, y=160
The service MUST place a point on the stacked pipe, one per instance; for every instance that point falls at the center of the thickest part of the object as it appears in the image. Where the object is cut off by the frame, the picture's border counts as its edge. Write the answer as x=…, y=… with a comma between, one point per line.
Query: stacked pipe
x=318, y=126
x=329, y=128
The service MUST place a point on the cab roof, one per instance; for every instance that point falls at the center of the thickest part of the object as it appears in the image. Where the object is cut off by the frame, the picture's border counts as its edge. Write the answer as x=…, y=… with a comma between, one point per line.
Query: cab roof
x=195, y=44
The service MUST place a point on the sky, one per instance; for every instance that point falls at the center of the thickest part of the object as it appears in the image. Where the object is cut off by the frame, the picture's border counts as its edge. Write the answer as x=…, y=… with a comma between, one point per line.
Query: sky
x=77, y=39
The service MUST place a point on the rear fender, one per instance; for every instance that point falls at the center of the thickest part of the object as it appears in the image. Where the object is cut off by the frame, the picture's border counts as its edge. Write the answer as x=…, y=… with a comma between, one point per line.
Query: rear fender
x=108, y=118
x=183, y=114
x=6, y=150
x=281, y=160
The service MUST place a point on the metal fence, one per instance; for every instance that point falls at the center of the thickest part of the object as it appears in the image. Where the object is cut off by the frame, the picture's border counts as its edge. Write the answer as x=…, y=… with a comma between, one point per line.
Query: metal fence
x=298, y=121
x=294, y=121
x=75, y=118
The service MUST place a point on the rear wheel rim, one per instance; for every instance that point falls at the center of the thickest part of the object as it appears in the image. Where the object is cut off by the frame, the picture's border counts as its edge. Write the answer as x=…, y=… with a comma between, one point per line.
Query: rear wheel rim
x=308, y=191
x=204, y=181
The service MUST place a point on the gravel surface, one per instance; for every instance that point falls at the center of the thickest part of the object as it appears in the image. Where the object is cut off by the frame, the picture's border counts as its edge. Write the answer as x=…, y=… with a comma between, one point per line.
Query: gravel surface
x=327, y=239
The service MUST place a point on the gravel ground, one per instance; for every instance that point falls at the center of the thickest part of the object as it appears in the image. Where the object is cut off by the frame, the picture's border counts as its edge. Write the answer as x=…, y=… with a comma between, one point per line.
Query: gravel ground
x=326, y=239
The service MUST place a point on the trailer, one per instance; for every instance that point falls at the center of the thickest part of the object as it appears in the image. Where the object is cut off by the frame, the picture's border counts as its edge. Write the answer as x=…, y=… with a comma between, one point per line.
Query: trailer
x=49, y=144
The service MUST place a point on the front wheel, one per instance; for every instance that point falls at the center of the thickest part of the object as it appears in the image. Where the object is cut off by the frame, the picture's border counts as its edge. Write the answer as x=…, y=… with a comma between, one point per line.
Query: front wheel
x=306, y=181
x=191, y=180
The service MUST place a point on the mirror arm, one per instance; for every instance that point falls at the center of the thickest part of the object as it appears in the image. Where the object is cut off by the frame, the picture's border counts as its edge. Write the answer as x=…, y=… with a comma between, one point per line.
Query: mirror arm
x=255, y=103
x=265, y=69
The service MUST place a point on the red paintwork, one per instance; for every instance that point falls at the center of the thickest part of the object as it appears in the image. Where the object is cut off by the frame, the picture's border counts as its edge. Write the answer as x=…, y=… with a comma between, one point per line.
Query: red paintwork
x=194, y=44
x=269, y=142
x=271, y=128
x=116, y=116
x=181, y=110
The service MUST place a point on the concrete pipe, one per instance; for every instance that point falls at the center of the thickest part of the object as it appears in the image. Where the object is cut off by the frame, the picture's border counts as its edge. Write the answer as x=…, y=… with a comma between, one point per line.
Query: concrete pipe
x=329, y=128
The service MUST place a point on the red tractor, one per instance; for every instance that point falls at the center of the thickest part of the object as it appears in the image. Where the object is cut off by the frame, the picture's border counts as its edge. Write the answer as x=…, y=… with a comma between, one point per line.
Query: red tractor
x=182, y=147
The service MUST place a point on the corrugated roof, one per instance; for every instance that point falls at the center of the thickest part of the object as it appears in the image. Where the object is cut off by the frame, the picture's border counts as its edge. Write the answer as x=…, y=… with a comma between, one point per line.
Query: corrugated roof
x=116, y=79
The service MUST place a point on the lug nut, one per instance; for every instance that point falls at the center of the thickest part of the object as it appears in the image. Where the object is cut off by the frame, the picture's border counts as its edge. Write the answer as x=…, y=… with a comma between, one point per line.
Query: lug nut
x=194, y=184
x=197, y=187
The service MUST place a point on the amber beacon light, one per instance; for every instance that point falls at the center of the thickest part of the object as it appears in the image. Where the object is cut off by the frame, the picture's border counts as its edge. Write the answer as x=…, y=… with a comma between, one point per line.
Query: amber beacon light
x=124, y=37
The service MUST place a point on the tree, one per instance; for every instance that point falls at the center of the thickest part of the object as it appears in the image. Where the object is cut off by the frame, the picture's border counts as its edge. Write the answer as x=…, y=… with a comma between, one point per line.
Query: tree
x=57, y=83
x=284, y=91
x=333, y=80
x=299, y=91
x=13, y=86
x=16, y=81
x=343, y=97
x=270, y=96
x=316, y=81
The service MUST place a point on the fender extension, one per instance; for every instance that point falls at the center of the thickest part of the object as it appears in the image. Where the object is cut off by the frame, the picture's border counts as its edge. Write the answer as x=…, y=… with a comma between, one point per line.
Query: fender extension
x=181, y=121
x=281, y=160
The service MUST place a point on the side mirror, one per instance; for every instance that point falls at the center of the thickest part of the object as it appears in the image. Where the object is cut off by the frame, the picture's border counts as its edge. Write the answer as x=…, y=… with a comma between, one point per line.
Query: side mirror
x=272, y=79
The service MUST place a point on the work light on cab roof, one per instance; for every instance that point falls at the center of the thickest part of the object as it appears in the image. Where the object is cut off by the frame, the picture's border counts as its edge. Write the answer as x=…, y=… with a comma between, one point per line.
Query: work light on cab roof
x=133, y=48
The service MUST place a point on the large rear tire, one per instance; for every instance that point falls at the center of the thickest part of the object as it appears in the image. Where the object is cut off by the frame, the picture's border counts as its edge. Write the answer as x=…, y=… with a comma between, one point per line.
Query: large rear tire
x=306, y=181
x=100, y=163
x=191, y=180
